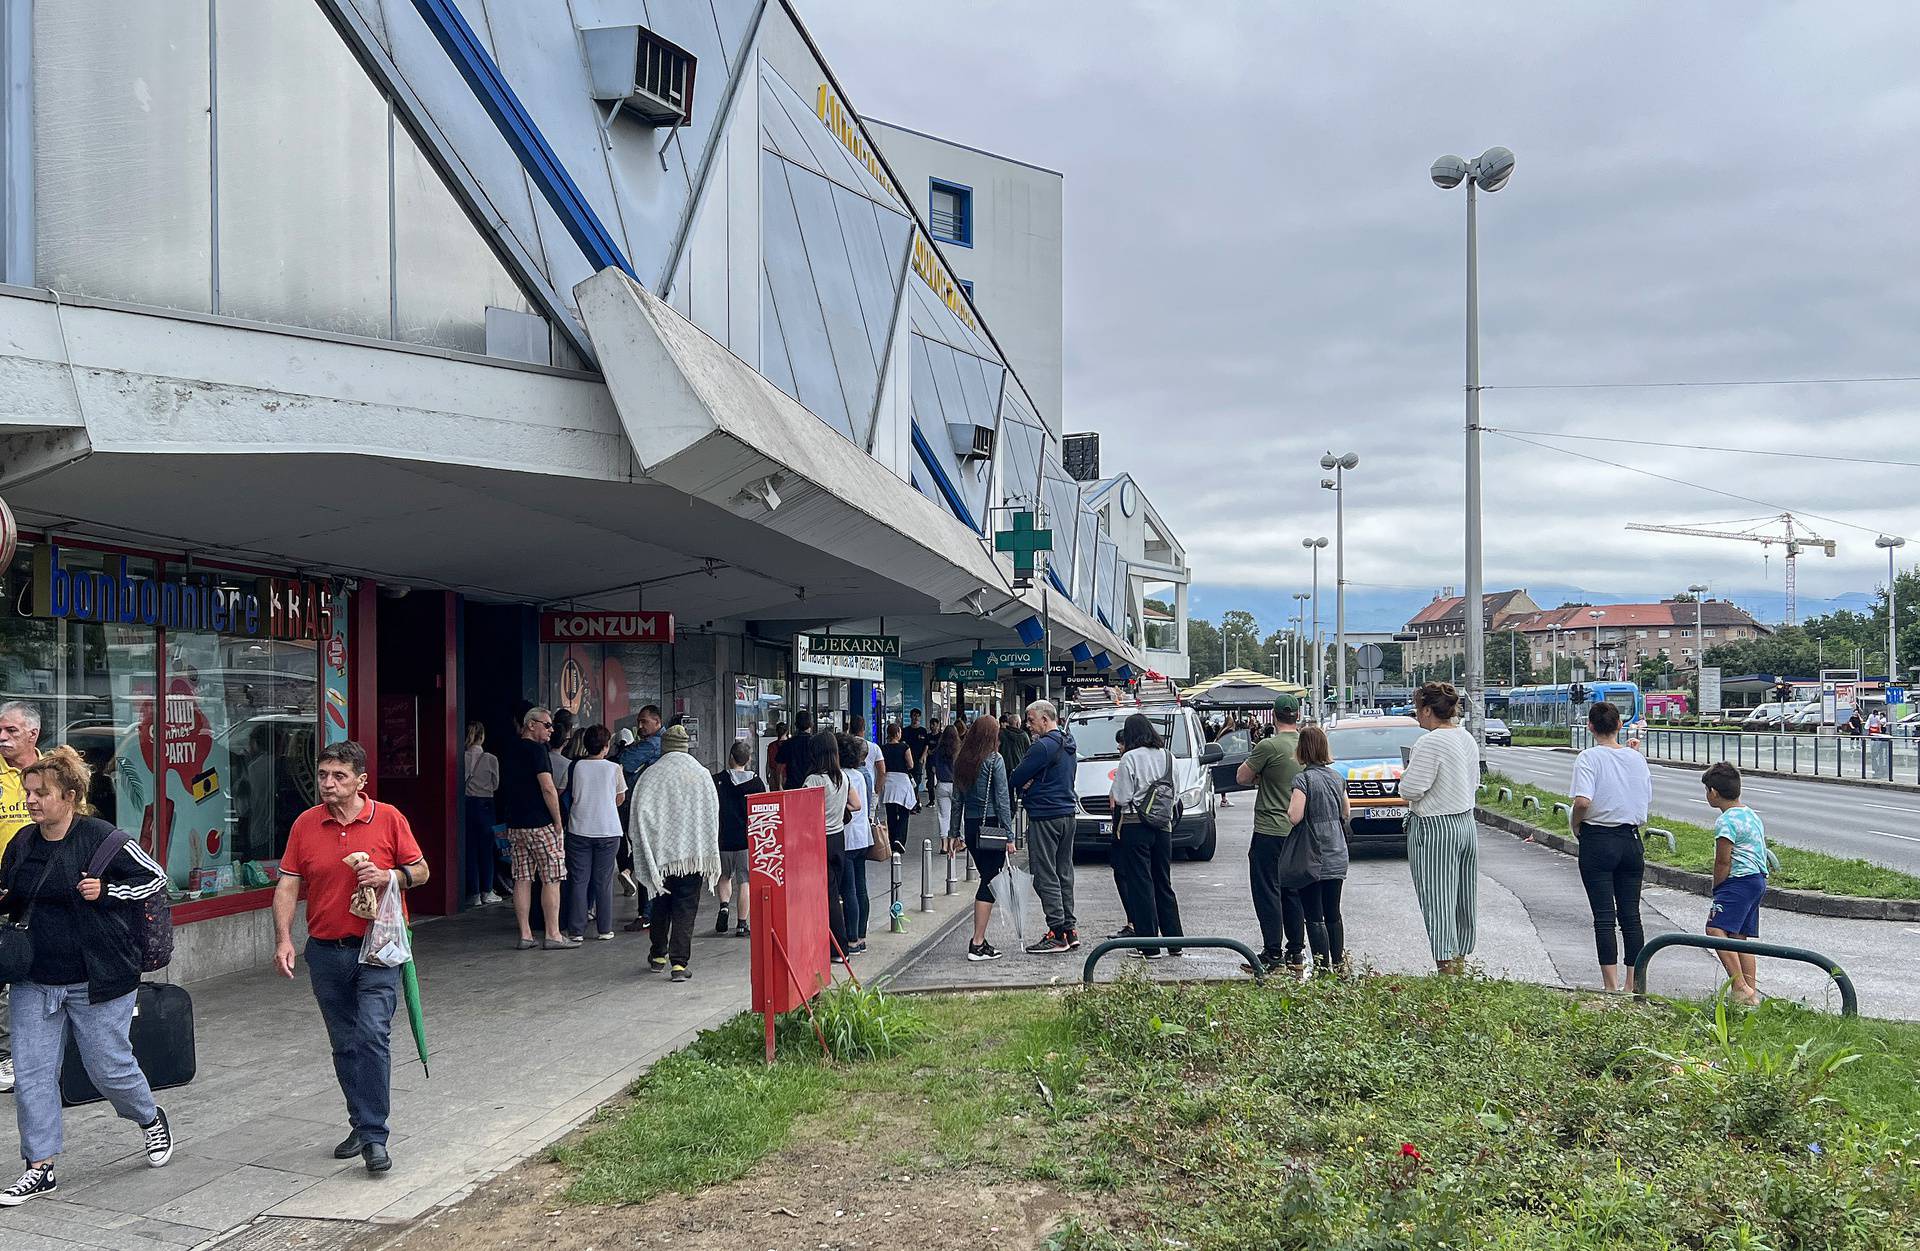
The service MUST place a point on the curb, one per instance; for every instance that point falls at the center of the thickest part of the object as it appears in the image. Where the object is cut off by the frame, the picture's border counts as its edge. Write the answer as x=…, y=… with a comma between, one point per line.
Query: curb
x=1811, y=902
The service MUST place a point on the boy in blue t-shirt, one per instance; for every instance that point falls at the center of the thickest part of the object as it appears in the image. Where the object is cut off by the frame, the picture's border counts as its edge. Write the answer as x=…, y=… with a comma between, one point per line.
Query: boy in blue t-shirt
x=1739, y=877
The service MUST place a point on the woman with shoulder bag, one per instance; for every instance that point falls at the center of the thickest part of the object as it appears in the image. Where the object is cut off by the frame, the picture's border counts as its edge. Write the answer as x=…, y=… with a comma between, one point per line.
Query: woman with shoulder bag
x=1318, y=812
x=1143, y=853
x=896, y=789
x=981, y=824
x=842, y=797
x=73, y=956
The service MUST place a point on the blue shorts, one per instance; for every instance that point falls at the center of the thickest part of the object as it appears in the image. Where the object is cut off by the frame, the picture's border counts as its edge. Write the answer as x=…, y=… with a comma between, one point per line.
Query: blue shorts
x=1736, y=905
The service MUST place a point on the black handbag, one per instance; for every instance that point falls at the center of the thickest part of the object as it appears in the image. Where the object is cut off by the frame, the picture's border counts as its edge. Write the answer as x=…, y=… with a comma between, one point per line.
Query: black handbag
x=992, y=837
x=16, y=937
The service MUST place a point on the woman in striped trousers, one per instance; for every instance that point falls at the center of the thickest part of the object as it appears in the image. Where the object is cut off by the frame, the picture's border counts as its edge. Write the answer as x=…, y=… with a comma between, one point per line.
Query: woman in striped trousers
x=1439, y=782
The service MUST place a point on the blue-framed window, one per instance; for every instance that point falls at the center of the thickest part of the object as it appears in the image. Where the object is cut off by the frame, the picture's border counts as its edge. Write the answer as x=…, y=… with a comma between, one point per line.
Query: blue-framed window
x=967, y=287
x=950, y=211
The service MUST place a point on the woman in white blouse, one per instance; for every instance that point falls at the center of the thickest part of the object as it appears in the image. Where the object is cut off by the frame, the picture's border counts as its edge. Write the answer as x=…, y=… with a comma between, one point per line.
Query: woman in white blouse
x=1439, y=783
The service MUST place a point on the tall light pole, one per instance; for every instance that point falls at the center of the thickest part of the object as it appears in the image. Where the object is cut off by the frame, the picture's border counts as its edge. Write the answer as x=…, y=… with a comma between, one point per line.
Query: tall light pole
x=1891, y=542
x=1489, y=172
x=1315, y=670
x=1699, y=590
x=1300, y=599
x=1596, y=616
x=1337, y=484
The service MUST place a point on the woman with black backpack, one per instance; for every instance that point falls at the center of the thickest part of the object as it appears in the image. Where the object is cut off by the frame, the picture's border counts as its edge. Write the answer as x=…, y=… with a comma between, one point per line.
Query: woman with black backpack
x=73, y=956
x=1143, y=796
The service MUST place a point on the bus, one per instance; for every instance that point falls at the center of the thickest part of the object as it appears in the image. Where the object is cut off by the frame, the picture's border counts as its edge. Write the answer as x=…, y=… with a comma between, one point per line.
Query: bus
x=1549, y=705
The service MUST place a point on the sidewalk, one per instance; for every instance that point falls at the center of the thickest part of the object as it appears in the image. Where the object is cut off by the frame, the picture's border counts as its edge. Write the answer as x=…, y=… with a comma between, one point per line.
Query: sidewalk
x=524, y=1046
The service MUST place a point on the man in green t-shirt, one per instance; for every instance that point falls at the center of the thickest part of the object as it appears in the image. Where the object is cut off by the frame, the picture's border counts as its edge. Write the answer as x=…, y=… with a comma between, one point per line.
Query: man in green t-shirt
x=1272, y=766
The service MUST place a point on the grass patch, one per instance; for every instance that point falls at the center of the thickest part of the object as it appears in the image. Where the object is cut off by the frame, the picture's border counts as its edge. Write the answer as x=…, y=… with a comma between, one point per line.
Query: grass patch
x=1800, y=869
x=1372, y=1113
x=1539, y=736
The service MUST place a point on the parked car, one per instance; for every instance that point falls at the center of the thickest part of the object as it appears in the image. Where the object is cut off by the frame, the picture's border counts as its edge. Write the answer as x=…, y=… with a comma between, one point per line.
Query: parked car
x=1807, y=716
x=1367, y=752
x=1498, y=735
x=1765, y=717
x=1096, y=735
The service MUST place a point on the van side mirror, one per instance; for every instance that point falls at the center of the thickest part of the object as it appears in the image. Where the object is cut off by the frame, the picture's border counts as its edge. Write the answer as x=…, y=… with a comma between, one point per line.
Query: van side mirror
x=1211, y=754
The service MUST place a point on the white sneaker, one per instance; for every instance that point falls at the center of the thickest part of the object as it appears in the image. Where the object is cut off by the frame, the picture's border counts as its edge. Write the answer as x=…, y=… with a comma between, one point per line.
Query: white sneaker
x=490, y=898
x=6, y=1074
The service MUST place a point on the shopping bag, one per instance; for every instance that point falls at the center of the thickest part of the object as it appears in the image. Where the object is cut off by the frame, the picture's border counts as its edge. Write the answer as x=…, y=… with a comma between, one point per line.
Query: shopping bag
x=1015, y=905
x=387, y=943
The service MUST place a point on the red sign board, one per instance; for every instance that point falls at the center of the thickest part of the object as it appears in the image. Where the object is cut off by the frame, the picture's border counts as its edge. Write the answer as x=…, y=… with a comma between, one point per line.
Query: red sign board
x=787, y=875
x=606, y=627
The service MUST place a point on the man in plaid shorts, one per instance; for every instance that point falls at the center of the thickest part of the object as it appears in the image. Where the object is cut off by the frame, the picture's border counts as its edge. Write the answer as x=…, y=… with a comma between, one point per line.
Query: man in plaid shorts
x=531, y=805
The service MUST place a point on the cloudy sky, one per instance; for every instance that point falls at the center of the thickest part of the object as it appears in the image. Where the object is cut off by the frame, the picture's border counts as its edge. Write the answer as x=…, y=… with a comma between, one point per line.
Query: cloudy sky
x=1257, y=261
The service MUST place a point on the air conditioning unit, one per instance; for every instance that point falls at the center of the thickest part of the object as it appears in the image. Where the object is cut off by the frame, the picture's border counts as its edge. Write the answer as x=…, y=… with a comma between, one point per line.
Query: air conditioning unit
x=971, y=442
x=650, y=79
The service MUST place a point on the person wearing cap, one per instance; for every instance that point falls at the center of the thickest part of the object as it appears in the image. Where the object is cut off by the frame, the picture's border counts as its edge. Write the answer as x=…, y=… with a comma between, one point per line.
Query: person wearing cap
x=1272, y=766
x=674, y=821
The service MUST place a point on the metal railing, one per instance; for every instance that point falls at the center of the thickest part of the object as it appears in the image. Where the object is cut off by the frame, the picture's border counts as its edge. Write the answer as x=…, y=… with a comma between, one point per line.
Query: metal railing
x=1856, y=758
x=1849, y=999
x=1124, y=944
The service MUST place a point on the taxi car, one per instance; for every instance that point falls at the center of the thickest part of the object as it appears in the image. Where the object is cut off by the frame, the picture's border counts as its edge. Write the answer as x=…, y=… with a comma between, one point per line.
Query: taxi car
x=1368, y=752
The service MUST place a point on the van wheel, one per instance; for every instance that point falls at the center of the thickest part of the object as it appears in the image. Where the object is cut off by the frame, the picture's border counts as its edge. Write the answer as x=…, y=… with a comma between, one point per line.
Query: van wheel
x=1208, y=844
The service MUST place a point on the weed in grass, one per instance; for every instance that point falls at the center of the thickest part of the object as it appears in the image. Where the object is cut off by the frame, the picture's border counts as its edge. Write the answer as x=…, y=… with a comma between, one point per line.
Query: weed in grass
x=864, y=1022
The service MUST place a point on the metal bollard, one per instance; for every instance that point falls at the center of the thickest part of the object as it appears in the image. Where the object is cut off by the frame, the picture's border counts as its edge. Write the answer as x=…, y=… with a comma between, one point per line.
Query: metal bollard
x=926, y=875
x=895, y=913
x=950, y=877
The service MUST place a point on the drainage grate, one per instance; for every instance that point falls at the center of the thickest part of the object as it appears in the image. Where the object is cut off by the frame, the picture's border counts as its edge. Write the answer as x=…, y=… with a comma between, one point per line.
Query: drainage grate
x=290, y=1233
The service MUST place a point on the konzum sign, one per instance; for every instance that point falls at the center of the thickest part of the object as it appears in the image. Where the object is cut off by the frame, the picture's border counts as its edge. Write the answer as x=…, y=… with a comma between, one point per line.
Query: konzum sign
x=606, y=627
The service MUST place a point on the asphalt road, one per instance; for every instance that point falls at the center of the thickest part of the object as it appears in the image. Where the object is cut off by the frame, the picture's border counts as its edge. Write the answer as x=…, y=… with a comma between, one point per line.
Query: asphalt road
x=1534, y=925
x=1857, y=821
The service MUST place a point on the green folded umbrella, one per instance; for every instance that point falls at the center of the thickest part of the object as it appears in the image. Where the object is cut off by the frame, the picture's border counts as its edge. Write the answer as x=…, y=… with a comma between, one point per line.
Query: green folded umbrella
x=416, y=1017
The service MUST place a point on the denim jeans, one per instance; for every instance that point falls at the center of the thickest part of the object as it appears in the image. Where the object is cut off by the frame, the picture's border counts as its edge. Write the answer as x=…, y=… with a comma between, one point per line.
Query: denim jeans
x=477, y=852
x=357, y=1002
x=41, y=1015
x=589, y=881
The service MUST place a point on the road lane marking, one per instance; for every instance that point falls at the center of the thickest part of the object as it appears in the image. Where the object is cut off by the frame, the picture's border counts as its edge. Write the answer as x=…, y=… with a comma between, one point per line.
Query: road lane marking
x=1888, y=807
x=1903, y=837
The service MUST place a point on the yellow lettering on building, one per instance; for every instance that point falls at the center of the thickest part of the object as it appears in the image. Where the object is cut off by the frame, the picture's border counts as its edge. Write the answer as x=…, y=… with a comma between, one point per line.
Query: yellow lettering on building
x=926, y=262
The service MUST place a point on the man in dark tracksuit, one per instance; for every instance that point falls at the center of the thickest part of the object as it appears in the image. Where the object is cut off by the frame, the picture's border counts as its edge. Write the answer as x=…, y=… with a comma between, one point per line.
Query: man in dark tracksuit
x=1044, y=779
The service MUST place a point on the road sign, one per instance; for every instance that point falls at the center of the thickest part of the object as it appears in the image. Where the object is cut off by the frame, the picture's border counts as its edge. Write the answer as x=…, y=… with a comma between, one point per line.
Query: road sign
x=1710, y=688
x=854, y=645
x=1369, y=655
x=1025, y=542
x=1369, y=676
x=1896, y=695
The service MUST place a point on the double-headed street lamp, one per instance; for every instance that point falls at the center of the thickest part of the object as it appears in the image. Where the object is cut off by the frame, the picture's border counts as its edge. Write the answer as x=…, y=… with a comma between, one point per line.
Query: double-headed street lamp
x=1891, y=542
x=1314, y=670
x=1337, y=484
x=1489, y=172
x=1596, y=616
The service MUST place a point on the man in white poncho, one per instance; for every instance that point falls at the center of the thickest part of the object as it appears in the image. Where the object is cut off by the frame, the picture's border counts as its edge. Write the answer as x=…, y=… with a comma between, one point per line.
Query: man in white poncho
x=674, y=820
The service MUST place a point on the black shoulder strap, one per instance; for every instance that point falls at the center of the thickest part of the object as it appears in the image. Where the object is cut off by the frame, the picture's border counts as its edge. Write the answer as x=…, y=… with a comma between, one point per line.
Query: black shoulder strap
x=109, y=848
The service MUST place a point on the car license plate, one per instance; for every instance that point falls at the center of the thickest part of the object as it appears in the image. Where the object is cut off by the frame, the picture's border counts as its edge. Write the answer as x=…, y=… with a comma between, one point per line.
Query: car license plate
x=1106, y=827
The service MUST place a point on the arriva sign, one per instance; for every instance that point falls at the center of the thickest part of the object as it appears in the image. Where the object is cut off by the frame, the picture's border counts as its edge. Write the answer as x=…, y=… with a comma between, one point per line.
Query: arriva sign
x=1010, y=658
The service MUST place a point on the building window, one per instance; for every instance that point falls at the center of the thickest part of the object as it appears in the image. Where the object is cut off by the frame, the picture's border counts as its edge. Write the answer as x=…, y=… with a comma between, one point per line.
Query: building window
x=1639, y=634
x=1706, y=634
x=967, y=286
x=950, y=208
x=1666, y=634
x=1686, y=634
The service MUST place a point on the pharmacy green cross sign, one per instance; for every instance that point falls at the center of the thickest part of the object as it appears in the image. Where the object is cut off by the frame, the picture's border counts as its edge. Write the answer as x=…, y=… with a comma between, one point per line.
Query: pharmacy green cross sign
x=1025, y=543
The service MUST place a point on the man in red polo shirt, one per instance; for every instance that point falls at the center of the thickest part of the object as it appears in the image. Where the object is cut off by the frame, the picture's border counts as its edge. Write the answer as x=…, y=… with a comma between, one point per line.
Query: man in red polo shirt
x=357, y=1000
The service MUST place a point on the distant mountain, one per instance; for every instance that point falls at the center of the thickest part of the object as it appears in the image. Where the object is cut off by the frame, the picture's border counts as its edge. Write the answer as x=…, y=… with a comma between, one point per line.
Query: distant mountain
x=1372, y=609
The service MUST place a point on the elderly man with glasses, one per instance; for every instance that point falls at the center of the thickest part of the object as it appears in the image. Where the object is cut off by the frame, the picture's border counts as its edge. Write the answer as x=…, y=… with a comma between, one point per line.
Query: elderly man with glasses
x=530, y=804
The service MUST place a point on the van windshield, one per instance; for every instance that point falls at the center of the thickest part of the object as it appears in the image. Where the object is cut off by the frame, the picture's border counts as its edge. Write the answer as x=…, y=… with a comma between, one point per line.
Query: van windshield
x=1097, y=735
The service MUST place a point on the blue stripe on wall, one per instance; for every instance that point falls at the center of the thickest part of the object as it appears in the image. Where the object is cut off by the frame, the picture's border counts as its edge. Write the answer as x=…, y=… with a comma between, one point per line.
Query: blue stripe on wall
x=516, y=126
x=940, y=479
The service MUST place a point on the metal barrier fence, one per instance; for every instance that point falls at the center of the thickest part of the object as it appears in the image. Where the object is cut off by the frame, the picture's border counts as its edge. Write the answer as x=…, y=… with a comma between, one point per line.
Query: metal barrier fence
x=1861, y=758
x=1849, y=998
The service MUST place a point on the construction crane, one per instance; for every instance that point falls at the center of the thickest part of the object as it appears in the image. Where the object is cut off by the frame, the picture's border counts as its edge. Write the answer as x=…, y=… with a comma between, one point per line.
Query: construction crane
x=1790, y=532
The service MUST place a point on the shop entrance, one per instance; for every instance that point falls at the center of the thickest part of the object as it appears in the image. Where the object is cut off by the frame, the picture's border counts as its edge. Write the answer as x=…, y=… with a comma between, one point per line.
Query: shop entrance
x=416, y=746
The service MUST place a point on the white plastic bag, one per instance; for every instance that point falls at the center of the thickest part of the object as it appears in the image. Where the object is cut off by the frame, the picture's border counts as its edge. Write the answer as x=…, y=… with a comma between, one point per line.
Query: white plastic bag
x=1015, y=905
x=386, y=943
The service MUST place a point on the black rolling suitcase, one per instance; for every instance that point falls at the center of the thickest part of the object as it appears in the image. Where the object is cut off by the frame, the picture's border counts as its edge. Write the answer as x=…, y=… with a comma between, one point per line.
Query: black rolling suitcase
x=162, y=1037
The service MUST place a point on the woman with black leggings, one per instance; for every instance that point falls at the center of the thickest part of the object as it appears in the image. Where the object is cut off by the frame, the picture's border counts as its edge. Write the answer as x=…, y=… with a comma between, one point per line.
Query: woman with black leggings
x=1318, y=812
x=1612, y=790
x=982, y=822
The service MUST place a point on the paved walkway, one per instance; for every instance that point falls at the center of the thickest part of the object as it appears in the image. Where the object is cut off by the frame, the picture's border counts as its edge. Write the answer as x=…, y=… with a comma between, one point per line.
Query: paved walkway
x=524, y=1046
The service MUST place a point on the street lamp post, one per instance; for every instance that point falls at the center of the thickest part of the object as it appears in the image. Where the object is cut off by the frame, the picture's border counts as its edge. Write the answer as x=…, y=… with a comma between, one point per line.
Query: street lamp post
x=1337, y=484
x=1314, y=669
x=1596, y=616
x=1891, y=542
x=1300, y=599
x=1699, y=590
x=1489, y=172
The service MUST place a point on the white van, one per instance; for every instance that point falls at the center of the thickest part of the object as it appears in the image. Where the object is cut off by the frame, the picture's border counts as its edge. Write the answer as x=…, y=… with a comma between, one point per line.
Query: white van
x=1096, y=735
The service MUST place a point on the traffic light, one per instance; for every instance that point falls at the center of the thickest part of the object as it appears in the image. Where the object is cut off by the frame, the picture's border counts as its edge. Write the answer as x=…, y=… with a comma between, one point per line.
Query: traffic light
x=1782, y=692
x=1578, y=694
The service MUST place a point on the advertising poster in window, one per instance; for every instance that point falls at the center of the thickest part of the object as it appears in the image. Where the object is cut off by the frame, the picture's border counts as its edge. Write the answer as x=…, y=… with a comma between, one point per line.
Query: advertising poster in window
x=333, y=667
x=192, y=768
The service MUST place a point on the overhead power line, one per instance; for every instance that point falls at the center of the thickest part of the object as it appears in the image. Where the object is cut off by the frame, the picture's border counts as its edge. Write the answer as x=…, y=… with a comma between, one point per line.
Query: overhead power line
x=1723, y=382
x=1697, y=486
x=1698, y=447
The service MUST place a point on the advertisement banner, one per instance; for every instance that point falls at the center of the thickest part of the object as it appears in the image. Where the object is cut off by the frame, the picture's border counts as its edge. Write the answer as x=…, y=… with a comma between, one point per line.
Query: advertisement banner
x=1709, y=688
